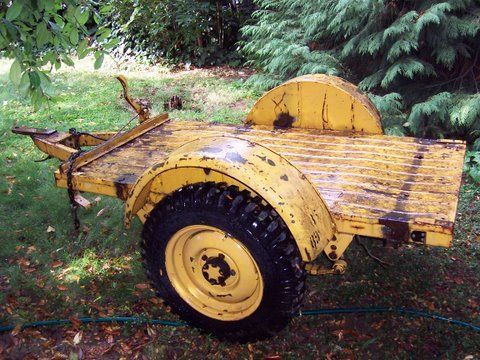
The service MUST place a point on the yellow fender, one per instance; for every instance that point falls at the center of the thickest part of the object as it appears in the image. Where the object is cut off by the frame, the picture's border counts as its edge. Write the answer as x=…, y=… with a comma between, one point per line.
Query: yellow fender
x=250, y=166
x=317, y=102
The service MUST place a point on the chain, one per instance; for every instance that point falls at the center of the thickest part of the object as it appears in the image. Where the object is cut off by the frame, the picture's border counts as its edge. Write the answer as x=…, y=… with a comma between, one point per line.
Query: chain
x=71, y=190
x=71, y=160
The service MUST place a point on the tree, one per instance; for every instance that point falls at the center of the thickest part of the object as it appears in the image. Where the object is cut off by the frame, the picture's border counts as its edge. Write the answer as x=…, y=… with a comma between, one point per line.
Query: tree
x=420, y=60
x=201, y=32
x=41, y=35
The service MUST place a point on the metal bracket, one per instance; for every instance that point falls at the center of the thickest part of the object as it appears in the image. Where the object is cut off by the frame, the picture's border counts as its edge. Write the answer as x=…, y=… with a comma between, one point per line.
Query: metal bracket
x=25, y=130
x=337, y=246
x=339, y=267
x=142, y=111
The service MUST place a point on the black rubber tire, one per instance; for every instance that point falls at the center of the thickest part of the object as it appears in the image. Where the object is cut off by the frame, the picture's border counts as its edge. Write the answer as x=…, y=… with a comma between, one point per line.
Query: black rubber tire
x=258, y=227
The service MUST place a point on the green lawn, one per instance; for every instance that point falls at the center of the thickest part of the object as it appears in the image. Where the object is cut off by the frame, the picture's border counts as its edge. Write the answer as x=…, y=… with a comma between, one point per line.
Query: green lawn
x=48, y=272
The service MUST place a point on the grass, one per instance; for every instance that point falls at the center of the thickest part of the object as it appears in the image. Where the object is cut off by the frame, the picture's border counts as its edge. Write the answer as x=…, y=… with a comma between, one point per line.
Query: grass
x=47, y=272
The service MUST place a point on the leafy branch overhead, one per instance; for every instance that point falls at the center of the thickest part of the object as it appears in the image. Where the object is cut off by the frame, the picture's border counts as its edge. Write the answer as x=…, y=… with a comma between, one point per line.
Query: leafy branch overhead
x=41, y=35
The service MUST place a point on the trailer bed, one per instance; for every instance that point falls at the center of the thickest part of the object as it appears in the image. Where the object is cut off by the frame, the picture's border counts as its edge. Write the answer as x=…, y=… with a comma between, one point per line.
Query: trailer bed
x=366, y=180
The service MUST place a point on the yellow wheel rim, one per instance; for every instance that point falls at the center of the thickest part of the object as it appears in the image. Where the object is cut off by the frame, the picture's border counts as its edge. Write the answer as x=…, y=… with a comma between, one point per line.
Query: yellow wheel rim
x=213, y=272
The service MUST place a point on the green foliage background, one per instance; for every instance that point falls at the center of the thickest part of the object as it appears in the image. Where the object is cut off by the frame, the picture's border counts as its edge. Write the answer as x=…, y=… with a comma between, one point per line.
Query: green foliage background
x=199, y=32
x=418, y=60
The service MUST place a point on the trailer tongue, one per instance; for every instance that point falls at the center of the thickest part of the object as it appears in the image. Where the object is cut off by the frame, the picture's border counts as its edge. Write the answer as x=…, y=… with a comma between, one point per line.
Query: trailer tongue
x=222, y=204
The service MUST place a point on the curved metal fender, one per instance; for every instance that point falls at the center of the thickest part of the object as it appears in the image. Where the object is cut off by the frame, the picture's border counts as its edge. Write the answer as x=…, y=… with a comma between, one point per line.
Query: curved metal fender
x=317, y=102
x=248, y=165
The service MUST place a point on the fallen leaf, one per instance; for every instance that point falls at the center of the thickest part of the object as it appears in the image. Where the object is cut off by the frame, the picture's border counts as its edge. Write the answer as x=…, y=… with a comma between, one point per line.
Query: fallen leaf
x=156, y=301
x=62, y=287
x=50, y=229
x=77, y=338
x=151, y=332
x=47, y=343
x=338, y=334
x=57, y=264
x=142, y=286
x=250, y=351
x=16, y=330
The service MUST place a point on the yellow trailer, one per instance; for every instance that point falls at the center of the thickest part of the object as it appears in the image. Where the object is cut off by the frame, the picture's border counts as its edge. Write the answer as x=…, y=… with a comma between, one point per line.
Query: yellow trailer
x=235, y=215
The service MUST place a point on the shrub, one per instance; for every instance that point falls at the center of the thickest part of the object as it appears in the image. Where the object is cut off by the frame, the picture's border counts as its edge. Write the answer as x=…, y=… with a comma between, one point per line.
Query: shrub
x=199, y=32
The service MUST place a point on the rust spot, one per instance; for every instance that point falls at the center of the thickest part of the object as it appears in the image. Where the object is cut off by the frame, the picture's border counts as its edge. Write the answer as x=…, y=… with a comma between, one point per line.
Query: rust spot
x=211, y=149
x=325, y=113
x=121, y=190
x=158, y=165
x=205, y=158
x=122, y=185
x=425, y=141
x=284, y=121
x=309, y=257
x=352, y=118
x=444, y=224
x=284, y=177
x=162, y=131
x=379, y=192
x=206, y=170
x=358, y=227
x=235, y=157
x=241, y=130
x=395, y=227
x=395, y=230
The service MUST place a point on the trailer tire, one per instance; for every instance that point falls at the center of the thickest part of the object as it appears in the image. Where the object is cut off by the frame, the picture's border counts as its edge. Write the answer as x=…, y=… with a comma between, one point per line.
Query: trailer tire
x=180, y=242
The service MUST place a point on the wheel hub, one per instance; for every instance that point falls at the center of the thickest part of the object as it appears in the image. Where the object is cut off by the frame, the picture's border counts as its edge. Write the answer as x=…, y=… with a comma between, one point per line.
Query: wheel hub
x=213, y=272
x=216, y=270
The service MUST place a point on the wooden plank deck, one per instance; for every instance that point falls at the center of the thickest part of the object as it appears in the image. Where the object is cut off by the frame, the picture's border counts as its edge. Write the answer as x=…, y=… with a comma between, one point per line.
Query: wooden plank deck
x=362, y=178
